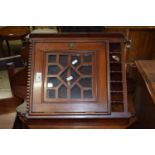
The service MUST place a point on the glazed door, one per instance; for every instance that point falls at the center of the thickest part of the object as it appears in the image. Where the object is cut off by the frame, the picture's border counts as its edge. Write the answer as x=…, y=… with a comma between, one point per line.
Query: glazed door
x=70, y=78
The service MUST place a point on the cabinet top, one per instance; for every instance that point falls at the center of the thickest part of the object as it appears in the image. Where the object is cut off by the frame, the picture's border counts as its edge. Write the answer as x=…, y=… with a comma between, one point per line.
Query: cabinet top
x=105, y=35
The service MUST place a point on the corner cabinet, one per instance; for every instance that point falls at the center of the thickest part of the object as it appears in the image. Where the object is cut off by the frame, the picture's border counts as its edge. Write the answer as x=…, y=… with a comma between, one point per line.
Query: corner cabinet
x=77, y=81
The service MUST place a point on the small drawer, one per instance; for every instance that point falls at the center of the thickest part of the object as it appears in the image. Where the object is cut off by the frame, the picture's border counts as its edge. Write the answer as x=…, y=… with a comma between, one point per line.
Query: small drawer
x=115, y=47
x=116, y=97
x=116, y=86
x=115, y=67
x=116, y=76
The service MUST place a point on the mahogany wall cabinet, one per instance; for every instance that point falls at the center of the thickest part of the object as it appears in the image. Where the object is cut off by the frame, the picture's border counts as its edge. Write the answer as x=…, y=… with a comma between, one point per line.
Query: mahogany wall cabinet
x=76, y=81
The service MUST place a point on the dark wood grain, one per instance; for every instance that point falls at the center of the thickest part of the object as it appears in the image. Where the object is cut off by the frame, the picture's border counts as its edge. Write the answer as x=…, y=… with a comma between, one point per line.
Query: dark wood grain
x=145, y=93
x=14, y=32
x=146, y=69
x=142, y=41
x=110, y=78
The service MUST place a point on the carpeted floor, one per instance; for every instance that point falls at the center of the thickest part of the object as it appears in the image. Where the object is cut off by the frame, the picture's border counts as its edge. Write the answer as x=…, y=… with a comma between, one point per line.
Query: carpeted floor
x=8, y=104
x=5, y=90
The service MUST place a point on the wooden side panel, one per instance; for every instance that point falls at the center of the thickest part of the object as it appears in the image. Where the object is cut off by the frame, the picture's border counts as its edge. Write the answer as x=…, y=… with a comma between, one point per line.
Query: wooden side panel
x=142, y=44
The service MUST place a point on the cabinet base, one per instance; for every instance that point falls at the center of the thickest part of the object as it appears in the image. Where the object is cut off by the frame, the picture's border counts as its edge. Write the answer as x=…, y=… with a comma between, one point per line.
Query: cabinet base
x=114, y=123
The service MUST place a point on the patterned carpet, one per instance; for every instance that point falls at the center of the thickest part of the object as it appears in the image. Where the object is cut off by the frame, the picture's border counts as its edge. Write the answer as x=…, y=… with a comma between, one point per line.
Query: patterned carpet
x=5, y=90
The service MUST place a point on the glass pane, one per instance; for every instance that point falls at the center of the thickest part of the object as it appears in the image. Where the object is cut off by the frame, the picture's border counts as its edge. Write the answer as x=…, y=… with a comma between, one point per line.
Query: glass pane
x=64, y=75
x=87, y=93
x=63, y=60
x=53, y=69
x=86, y=70
x=75, y=75
x=53, y=82
x=76, y=92
x=51, y=93
x=62, y=92
x=52, y=58
x=75, y=59
x=69, y=75
x=86, y=82
x=87, y=58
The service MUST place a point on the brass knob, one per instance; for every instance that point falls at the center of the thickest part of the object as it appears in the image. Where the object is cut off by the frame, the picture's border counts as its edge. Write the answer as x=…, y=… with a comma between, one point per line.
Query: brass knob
x=128, y=43
x=71, y=45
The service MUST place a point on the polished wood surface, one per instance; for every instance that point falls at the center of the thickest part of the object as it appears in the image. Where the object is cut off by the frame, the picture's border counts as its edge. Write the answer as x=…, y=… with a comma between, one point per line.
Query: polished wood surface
x=115, y=123
x=140, y=46
x=72, y=105
x=109, y=110
x=14, y=32
x=142, y=41
x=147, y=71
x=114, y=72
x=145, y=93
x=112, y=35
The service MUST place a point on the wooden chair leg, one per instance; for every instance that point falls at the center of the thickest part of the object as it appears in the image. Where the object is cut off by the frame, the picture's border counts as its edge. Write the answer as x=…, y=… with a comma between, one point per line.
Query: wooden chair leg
x=2, y=53
x=11, y=71
x=8, y=46
x=1, y=43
